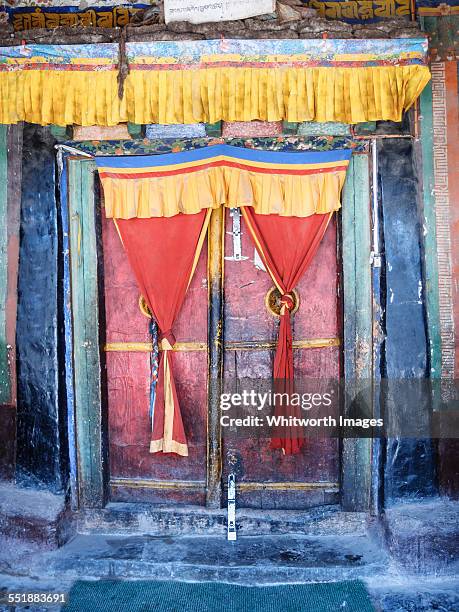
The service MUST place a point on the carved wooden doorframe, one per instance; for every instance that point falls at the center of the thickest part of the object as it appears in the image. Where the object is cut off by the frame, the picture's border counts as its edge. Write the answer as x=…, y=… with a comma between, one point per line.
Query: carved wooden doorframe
x=90, y=456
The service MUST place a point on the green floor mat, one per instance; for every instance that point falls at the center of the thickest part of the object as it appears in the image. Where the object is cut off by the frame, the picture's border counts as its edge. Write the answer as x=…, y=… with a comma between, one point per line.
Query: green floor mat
x=148, y=596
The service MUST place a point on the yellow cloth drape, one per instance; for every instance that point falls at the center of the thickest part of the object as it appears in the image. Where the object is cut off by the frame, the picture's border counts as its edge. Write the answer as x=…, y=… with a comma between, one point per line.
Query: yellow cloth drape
x=347, y=95
x=295, y=94
x=285, y=195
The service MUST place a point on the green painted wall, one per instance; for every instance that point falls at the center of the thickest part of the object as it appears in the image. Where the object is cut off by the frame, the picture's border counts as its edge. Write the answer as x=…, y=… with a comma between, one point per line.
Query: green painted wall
x=430, y=233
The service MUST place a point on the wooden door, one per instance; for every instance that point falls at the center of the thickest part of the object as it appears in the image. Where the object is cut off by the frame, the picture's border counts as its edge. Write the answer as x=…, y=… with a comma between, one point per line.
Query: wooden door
x=107, y=347
x=266, y=478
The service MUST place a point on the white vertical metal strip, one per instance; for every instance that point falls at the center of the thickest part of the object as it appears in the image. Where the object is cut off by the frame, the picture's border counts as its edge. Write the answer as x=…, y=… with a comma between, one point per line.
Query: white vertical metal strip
x=232, y=536
x=237, y=255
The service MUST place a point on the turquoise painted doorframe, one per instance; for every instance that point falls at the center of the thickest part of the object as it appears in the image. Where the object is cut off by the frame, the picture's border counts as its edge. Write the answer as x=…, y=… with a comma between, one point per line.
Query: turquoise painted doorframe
x=356, y=241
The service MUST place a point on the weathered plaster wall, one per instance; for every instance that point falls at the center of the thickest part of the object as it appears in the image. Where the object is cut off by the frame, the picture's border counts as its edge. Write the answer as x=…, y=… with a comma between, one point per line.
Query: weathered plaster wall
x=40, y=414
x=409, y=463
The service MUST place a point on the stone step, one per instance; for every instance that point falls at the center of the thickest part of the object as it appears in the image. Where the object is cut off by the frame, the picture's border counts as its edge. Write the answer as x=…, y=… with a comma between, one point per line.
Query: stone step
x=35, y=516
x=126, y=518
x=249, y=560
x=423, y=537
x=391, y=592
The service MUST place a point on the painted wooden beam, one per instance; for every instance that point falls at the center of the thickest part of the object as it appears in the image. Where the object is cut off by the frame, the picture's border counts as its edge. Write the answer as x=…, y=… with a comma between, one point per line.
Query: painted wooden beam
x=430, y=232
x=10, y=206
x=162, y=139
x=84, y=289
x=143, y=483
x=66, y=298
x=356, y=453
x=216, y=235
x=5, y=384
x=14, y=143
x=247, y=345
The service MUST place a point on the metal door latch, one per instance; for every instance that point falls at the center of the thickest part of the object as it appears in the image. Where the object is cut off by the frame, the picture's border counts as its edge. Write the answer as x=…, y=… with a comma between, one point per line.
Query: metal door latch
x=375, y=259
x=232, y=508
x=235, y=213
x=258, y=262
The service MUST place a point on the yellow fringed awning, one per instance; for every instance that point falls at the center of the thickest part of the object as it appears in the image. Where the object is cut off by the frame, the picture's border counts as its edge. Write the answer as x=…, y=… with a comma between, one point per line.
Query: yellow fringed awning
x=349, y=81
x=288, y=184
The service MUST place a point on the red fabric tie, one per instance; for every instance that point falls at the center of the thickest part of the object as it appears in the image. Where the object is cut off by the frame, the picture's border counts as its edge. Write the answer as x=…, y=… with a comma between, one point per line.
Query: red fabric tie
x=283, y=360
x=287, y=301
x=287, y=245
x=169, y=336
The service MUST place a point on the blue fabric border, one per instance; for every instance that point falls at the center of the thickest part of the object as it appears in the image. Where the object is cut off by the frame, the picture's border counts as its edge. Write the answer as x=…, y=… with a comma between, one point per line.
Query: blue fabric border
x=273, y=157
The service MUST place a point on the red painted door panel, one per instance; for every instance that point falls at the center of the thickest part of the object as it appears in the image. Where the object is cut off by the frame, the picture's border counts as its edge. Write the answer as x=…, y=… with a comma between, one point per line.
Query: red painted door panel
x=264, y=477
x=128, y=387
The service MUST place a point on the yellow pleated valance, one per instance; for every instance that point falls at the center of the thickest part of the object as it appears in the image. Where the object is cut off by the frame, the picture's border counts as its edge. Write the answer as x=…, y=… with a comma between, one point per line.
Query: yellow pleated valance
x=349, y=81
x=288, y=184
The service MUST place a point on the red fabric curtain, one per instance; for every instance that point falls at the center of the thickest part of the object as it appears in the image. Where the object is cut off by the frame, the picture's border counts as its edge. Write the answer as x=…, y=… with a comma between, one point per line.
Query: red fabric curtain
x=287, y=246
x=162, y=253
